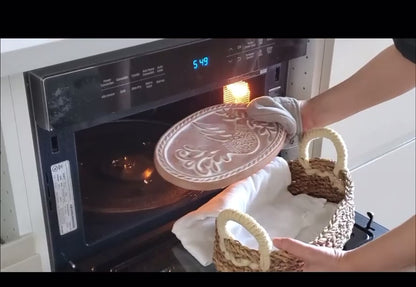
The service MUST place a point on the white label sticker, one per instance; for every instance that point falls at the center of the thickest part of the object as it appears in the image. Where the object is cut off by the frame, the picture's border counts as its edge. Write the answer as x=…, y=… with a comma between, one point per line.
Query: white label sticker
x=64, y=195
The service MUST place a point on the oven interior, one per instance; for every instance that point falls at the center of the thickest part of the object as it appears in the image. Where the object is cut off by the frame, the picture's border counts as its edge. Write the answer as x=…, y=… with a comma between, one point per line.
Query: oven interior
x=120, y=187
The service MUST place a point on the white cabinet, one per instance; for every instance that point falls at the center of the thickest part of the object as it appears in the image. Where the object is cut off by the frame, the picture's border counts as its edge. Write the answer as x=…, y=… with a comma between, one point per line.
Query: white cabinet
x=386, y=186
x=380, y=140
x=20, y=256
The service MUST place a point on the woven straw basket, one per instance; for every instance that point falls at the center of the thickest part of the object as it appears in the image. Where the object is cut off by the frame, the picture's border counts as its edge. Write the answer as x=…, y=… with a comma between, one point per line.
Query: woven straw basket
x=316, y=177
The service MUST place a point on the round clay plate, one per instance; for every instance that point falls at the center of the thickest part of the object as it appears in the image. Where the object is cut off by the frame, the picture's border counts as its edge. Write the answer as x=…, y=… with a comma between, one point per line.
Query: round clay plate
x=215, y=147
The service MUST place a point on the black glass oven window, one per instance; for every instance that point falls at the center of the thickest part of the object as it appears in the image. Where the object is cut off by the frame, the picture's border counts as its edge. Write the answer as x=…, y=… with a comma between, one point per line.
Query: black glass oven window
x=120, y=189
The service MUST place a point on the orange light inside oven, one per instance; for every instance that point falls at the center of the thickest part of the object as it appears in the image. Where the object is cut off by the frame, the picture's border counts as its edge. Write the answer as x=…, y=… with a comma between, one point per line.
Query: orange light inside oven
x=238, y=92
x=147, y=173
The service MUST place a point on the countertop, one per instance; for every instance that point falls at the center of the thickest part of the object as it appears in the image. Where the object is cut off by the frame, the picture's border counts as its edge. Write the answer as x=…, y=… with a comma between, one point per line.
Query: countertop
x=20, y=55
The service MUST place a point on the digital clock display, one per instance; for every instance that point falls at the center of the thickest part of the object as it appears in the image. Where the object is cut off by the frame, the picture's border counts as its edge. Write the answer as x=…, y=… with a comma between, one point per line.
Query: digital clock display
x=200, y=63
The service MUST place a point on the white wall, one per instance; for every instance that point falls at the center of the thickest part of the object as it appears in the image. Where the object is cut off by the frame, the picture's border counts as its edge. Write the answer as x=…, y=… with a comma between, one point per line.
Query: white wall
x=386, y=186
x=374, y=139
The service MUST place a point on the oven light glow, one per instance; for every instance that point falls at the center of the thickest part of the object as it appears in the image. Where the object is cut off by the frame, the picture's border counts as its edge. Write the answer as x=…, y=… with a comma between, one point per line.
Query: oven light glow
x=238, y=92
x=123, y=162
x=146, y=175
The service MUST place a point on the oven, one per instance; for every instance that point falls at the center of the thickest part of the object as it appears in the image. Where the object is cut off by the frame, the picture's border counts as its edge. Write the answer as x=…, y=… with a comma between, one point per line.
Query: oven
x=96, y=122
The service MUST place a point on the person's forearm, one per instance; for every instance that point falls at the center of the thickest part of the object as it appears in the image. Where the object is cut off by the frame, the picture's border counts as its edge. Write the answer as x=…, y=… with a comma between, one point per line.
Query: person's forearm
x=386, y=76
x=393, y=251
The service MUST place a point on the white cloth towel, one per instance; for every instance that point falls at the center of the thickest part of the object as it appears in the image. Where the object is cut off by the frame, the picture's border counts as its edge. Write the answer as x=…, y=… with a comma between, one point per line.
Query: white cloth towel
x=263, y=196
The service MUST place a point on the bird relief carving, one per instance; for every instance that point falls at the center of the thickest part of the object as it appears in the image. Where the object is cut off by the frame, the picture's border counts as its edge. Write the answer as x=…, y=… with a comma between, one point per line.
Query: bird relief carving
x=233, y=134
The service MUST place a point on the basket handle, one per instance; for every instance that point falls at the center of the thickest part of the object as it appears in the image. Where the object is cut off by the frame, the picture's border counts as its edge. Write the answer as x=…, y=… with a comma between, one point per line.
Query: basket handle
x=341, y=163
x=252, y=226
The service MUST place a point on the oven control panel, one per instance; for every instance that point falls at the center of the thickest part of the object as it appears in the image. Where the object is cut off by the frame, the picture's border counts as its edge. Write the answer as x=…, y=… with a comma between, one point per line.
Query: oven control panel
x=63, y=96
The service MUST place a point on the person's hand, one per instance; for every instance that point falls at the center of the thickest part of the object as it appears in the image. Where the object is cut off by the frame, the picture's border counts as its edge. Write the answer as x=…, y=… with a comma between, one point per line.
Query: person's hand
x=315, y=258
x=283, y=110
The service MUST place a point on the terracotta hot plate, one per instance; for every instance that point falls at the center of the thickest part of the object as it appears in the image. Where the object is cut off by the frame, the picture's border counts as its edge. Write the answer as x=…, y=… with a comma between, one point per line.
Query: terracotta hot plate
x=215, y=147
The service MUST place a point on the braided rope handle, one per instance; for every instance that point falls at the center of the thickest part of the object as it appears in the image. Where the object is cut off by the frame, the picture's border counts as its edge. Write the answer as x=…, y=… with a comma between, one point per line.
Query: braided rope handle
x=341, y=162
x=252, y=226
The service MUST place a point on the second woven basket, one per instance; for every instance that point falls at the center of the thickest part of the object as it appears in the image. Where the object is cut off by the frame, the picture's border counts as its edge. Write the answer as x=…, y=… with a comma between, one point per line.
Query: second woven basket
x=316, y=177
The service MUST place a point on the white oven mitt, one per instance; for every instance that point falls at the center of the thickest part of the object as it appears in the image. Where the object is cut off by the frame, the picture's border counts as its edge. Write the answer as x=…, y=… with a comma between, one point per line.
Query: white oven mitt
x=262, y=195
x=284, y=110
